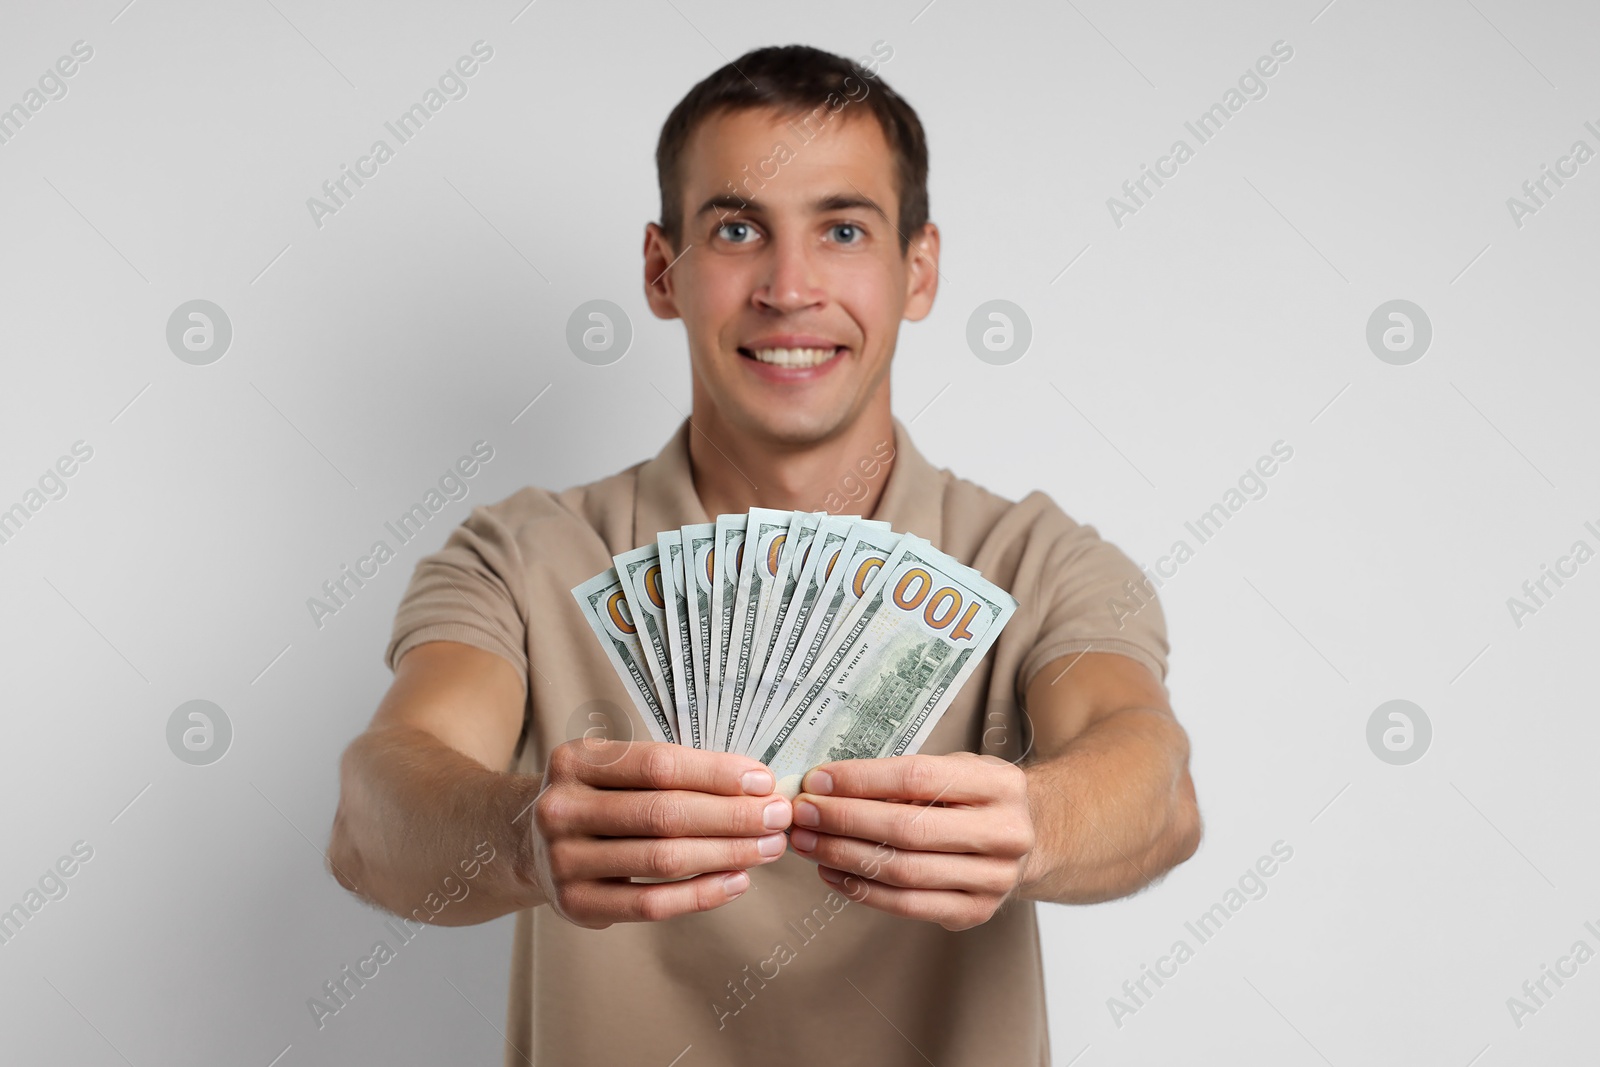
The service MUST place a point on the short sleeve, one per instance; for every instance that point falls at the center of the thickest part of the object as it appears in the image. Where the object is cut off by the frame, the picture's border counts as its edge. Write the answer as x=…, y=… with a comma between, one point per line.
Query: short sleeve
x=1094, y=599
x=468, y=591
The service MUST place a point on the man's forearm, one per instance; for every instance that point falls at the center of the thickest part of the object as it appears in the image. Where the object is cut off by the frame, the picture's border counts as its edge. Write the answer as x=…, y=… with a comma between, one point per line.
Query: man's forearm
x=1113, y=812
x=414, y=812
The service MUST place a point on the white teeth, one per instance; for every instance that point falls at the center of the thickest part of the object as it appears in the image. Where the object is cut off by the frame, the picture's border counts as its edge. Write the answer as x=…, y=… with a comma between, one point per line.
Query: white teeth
x=793, y=357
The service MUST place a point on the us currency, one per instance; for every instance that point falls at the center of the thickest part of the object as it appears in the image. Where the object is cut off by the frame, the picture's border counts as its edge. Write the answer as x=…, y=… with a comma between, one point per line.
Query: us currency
x=640, y=571
x=775, y=605
x=892, y=666
x=669, y=543
x=802, y=527
x=699, y=562
x=604, y=604
x=765, y=532
x=812, y=571
x=728, y=549
x=843, y=576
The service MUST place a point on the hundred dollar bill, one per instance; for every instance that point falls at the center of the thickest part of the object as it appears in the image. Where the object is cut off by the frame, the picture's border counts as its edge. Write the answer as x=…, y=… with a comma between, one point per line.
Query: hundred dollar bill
x=812, y=569
x=669, y=543
x=802, y=527
x=699, y=561
x=893, y=665
x=766, y=530
x=785, y=573
x=844, y=576
x=605, y=605
x=728, y=549
x=640, y=571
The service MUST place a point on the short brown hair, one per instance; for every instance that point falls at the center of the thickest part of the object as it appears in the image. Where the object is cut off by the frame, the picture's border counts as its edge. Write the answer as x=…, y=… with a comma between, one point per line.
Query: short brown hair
x=795, y=79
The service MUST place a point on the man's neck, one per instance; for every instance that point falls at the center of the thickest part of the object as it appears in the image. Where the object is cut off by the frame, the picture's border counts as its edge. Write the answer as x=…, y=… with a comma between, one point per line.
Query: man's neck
x=734, y=472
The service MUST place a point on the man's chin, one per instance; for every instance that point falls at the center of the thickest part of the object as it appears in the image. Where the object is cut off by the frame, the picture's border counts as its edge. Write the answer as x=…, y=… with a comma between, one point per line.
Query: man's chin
x=792, y=427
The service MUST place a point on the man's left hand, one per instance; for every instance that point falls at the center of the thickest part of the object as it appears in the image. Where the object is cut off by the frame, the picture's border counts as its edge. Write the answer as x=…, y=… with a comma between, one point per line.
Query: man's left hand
x=945, y=839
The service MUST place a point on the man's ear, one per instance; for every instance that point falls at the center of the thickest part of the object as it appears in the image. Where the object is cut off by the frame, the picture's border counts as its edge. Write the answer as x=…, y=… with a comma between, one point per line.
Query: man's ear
x=658, y=256
x=922, y=272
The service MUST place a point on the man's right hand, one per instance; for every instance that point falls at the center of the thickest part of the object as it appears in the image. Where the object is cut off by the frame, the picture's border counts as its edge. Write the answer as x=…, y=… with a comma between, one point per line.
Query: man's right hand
x=609, y=811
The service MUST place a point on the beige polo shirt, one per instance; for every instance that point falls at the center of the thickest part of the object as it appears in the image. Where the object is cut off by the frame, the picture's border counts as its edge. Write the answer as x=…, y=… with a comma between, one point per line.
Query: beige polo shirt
x=792, y=971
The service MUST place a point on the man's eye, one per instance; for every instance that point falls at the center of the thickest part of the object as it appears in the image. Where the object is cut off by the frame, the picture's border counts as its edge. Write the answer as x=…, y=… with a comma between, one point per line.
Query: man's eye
x=848, y=233
x=736, y=232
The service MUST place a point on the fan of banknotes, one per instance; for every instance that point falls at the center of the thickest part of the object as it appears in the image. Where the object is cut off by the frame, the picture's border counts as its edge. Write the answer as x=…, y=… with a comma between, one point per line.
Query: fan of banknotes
x=794, y=637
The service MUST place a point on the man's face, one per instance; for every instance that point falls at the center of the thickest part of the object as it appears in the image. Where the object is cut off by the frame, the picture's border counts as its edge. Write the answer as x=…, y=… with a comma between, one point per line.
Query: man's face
x=791, y=284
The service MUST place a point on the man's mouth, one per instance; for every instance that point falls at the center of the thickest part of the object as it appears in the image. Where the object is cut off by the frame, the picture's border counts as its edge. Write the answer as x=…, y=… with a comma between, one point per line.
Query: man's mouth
x=792, y=357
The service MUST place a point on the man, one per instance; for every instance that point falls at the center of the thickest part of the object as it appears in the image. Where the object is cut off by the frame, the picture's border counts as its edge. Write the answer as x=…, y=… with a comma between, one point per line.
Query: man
x=661, y=909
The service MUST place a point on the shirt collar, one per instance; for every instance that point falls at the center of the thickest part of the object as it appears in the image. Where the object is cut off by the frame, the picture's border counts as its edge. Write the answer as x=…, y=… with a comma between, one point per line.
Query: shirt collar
x=912, y=500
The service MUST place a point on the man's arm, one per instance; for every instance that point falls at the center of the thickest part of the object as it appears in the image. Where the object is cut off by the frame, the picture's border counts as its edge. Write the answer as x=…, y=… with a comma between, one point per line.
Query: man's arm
x=421, y=791
x=422, y=787
x=1103, y=807
x=1112, y=803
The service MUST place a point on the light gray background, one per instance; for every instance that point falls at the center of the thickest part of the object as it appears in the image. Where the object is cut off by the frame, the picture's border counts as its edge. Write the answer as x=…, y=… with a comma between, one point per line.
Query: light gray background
x=1229, y=313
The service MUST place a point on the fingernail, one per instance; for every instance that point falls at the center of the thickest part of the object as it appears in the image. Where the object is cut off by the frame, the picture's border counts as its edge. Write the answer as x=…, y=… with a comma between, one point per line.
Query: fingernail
x=771, y=845
x=806, y=813
x=756, y=783
x=775, y=816
x=830, y=874
x=735, y=883
x=819, y=782
x=803, y=840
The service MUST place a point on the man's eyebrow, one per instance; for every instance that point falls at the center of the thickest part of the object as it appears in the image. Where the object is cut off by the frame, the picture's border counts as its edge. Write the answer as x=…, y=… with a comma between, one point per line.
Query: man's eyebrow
x=725, y=203
x=846, y=201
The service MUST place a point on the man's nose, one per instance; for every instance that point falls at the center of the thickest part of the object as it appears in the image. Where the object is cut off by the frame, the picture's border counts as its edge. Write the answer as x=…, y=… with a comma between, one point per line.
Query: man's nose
x=791, y=282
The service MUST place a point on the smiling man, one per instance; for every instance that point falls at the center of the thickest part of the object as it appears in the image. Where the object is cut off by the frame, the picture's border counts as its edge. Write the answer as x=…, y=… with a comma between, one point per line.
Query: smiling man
x=662, y=910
